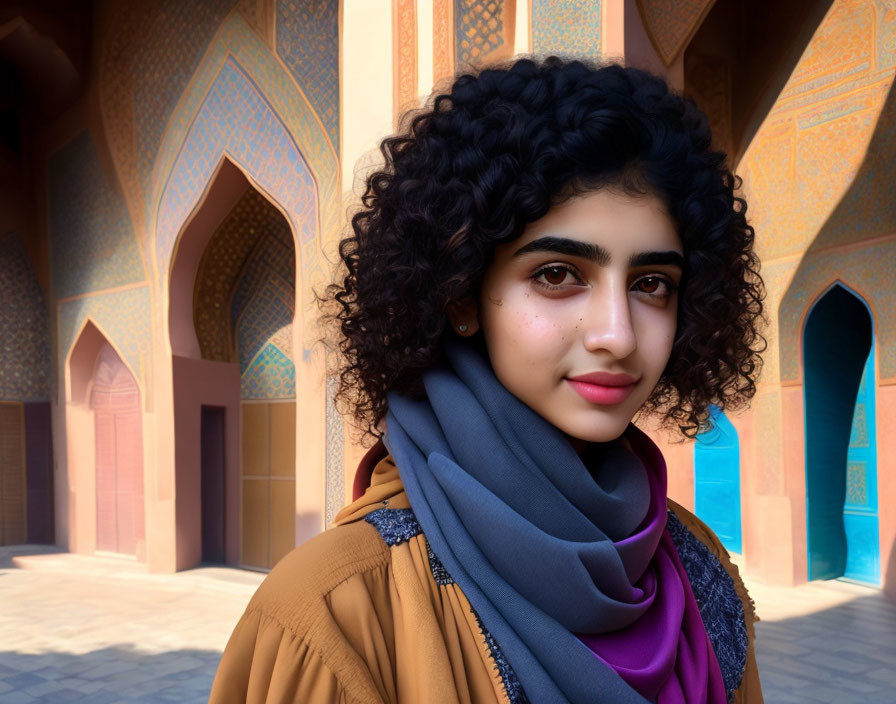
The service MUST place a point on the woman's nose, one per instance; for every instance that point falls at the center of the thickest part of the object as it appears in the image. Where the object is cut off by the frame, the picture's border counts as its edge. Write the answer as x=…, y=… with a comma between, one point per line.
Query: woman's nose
x=608, y=323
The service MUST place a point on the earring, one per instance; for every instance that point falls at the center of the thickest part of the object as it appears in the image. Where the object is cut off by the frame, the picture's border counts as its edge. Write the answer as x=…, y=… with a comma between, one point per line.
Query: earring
x=462, y=327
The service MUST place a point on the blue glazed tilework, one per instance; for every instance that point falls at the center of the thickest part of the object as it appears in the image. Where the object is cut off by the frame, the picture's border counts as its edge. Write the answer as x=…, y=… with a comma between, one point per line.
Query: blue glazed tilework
x=272, y=375
x=24, y=327
x=92, y=244
x=232, y=109
x=169, y=48
x=237, y=45
x=566, y=27
x=308, y=43
x=267, y=314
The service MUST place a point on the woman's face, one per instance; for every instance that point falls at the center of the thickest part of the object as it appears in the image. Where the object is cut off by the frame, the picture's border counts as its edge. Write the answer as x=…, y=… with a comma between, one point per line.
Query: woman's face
x=579, y=313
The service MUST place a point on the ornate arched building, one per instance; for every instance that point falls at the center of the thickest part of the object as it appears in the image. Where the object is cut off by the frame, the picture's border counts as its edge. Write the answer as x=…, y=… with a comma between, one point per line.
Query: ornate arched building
x=175, y=176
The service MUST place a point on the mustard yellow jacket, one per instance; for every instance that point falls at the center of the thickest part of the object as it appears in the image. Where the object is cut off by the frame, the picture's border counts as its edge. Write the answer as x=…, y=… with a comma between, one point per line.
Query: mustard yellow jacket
x=347, y=618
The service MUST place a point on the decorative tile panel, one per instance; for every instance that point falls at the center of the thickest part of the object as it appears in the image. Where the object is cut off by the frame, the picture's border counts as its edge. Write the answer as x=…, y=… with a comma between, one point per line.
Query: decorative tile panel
x=24, y=327
x=478, y=28
x=670, y=24
x=124, y=316
x=232, y=109
x=566, y=27
x=92, y=244
x=271, y=376
x=252, y=228
x=308, y=43
x=335, y=455
x=856, y=484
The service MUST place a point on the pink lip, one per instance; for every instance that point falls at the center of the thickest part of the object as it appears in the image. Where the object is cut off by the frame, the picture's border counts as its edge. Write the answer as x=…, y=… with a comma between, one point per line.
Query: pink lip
x=603, y=388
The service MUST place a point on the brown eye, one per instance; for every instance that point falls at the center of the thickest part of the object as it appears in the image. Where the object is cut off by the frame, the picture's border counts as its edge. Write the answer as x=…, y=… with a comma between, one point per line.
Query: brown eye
x=649, y=285
x=554, y=275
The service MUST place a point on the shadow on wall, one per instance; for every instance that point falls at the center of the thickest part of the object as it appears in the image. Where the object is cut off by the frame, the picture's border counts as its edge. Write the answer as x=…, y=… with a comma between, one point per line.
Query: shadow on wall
x=110, y=675
x=866, y=211
x=843, y=654
x=868, y=208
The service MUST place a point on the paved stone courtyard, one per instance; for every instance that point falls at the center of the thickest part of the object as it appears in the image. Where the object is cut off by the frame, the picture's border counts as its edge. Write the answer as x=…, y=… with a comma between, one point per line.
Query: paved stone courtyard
x=100, y=630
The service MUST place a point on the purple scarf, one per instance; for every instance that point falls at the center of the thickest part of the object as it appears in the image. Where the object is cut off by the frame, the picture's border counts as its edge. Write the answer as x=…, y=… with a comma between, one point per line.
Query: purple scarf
x=666, y=654
x=546, y=544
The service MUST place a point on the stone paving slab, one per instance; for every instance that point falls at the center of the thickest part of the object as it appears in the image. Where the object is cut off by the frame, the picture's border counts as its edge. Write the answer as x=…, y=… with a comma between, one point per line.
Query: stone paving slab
x=100, y=630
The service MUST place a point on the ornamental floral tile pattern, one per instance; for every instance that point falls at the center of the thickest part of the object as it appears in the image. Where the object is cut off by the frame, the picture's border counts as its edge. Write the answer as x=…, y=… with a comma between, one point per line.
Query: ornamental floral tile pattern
x=236, y=44
x=233, y=108
x=92, y=244
x=566, y=27
x=335, y=455
x=308, y=43
x=148, y=53
x=267, y=314
x=24, y=327
x=229, y=270
x=271, y=376
x=479, y=29
x=670, y=24
x=866, y=270
x=818, y=177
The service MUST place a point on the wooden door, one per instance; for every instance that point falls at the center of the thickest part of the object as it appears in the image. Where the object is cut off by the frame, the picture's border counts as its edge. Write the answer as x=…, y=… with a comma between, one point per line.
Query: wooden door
x=115, y=401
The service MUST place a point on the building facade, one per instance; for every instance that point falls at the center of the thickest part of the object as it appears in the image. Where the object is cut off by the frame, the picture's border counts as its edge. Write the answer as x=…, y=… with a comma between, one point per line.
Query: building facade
x=176, y=176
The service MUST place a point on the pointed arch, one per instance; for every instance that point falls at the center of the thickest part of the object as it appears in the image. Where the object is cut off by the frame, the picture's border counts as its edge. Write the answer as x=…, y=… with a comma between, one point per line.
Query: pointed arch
x=841, y=459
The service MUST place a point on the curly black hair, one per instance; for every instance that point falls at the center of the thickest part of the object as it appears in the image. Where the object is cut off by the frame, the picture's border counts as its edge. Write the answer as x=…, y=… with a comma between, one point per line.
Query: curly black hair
x=495, y=153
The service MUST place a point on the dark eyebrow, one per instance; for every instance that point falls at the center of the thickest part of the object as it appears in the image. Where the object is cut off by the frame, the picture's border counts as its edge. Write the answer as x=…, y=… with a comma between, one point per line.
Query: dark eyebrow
x=564, y=245
x=657, y=259
x=596, y=253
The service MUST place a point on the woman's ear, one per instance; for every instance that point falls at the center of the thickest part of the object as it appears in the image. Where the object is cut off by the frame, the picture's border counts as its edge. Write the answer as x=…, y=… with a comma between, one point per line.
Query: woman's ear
x=464, y=317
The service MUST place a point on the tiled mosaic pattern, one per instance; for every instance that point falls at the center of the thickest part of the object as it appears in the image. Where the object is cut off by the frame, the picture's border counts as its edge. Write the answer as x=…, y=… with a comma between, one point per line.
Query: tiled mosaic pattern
x=272, y=262
x=335, y=455
x=92, y=244
x=566, y=27
x=479, y=29
x=856, y=484
x=252, y=219
x=817, y=176
x=404, y=68
x=232, y=109
x=308, y=43
x=868, y=271
x=271, y=376
x=123, y=317
x=150, y=51
x=442, y=44
x=267, y=313
x=670, y=24
x=24, y=327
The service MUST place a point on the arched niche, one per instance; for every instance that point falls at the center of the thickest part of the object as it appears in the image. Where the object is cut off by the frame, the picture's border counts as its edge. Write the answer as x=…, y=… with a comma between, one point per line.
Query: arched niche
x=104, y=430
x=231, y=312
x=717, y=479
x=841, y=474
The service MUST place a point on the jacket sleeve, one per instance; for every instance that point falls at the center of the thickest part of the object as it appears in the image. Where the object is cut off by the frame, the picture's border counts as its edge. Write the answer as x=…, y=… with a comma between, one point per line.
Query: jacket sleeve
x=264, y=662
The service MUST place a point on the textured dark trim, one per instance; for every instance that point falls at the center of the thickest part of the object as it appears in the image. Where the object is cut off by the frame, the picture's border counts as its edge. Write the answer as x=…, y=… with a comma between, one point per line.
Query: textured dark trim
x=437, y=568
x=720, y=606
x=512, y=685
x=395, y=525
x=398, y=525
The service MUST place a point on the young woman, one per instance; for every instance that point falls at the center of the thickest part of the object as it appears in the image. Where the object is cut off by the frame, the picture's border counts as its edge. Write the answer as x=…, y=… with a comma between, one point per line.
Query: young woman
x=551, y=249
